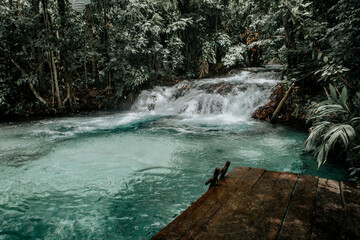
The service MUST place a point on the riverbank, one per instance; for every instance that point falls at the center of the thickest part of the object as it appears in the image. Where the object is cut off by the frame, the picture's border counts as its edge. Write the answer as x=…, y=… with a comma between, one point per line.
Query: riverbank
x=93, y=100
x=113, y=172
x=88, y=101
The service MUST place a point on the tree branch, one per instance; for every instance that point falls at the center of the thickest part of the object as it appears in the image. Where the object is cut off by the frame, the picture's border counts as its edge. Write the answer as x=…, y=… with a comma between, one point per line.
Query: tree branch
x=37, y=94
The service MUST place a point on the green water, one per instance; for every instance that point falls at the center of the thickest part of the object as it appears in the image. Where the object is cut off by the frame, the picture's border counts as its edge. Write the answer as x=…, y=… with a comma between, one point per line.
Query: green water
x=126, y=176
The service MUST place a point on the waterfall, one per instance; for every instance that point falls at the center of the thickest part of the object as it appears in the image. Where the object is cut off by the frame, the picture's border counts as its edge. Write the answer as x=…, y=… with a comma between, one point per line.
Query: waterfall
x=237, y=96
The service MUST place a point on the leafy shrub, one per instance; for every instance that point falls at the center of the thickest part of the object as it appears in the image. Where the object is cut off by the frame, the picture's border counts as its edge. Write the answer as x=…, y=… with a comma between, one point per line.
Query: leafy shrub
x=334, y=128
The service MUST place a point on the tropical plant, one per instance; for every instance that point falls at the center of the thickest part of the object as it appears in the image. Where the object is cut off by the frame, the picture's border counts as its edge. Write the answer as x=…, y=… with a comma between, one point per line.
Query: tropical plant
x=334, y=128
x=54, y=59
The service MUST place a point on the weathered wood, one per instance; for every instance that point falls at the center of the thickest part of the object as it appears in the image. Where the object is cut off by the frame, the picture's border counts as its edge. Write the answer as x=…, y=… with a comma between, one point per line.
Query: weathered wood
x=351, y=198
x=241, y=210
x=287, y=94
x=329, y=213
x=214, y=179
x=299, y=217
x=209, y=224
x=273, y=210
x=258, y=204
x=195, y=212
x=224, y=169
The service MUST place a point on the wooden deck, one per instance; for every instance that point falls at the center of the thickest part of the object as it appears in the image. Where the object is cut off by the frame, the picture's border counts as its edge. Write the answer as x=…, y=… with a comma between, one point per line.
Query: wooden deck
x=258, y=204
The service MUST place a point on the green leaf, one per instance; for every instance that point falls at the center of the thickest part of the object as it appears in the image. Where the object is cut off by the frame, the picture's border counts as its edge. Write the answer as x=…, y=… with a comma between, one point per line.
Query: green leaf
x=358, y=94
x=333, y=93
x=354, y=171
x=344, y=97
x=325, y=59
x=319, y=56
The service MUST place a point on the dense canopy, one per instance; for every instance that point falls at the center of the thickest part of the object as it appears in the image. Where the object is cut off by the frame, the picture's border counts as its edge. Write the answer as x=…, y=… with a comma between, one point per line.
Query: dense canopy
x=56, y=60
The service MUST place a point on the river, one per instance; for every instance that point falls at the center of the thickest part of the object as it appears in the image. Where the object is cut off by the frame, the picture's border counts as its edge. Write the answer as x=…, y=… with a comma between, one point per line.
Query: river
x=126, y=175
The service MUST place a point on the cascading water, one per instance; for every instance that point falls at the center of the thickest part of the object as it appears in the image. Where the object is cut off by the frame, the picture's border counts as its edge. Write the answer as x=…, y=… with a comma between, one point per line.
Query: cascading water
x=126, y=175
x=237, y=96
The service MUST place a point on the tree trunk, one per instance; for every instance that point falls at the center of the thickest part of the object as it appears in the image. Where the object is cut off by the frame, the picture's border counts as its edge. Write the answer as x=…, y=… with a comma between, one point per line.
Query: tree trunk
x=92, y=45
x=107, y=43
x=283, y=100
x=51, y=57
x=184, y=8
x=18, y=8
x=36, y=94
x=38, y=51
x=289, y=41
x=56, y=83
x=65, y=61
x=51, y=81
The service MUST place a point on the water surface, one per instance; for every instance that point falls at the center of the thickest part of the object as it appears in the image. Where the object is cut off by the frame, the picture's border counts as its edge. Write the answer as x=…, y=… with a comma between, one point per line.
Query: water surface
x=127, y=175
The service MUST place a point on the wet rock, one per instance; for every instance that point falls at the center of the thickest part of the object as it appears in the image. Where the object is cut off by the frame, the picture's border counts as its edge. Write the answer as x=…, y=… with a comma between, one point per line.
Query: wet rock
x=265, y=112
x=221, y=88
x=151, y=106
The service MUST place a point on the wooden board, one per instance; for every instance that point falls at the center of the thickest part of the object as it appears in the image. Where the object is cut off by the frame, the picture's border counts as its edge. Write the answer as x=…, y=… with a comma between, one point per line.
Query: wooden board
x=329, y=222
x=273, y=209
x=208, y=226
x=301, y=209
x=258, y=204
x=177, y=228
x=351, y=197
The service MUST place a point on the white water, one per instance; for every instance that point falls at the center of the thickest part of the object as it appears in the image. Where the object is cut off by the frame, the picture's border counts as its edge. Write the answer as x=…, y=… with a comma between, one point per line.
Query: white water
x=227, y=100
x=127, y=175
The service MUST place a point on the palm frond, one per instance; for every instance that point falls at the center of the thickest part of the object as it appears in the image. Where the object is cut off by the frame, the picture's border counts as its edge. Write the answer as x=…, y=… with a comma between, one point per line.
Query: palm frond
x=316, y=133
x=328, y=111
x=330, y=134
x=354, y=120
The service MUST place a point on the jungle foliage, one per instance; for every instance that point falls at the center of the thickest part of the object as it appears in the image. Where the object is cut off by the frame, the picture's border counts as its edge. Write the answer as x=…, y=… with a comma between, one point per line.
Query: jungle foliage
x=327, y=57
x=54, y=59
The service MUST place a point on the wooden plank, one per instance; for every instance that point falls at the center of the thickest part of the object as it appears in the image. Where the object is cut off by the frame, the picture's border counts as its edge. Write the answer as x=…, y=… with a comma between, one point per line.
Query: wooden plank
x=223, y=219
x=177, y=228
x=351, y=197
x=273, y=210
x=297, y=224
x=258, y=204
x=329, y=212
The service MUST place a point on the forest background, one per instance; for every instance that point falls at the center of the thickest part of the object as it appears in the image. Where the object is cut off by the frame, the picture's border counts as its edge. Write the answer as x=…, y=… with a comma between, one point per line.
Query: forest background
x=54, y=60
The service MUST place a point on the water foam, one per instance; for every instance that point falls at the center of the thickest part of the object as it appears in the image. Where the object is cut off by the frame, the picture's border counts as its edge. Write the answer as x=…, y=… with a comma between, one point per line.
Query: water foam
x=107, y=176
x=231, y=99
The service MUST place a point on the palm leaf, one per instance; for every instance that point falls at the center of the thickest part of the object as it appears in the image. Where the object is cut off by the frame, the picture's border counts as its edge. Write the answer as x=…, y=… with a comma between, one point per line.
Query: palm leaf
x=333, y=93
x=329, y=111
x=316, y=133
x=331, y=134
x=344, y=97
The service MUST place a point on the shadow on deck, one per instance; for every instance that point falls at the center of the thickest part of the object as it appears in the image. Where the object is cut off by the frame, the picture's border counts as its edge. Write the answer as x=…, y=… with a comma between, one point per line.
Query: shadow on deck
x=254, y=203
